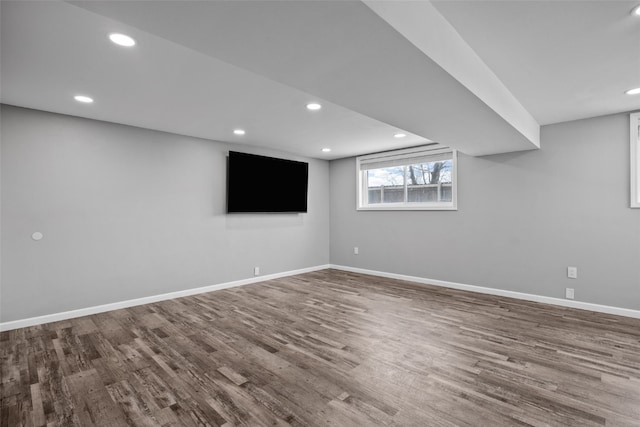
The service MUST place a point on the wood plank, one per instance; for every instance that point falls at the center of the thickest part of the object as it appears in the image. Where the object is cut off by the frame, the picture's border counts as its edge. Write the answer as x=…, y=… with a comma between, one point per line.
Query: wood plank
x=92, y=401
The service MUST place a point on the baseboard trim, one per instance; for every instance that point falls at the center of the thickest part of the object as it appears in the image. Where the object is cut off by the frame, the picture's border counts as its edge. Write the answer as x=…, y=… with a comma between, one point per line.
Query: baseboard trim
x=65, y=315
x=56, y=317
x=626, y=312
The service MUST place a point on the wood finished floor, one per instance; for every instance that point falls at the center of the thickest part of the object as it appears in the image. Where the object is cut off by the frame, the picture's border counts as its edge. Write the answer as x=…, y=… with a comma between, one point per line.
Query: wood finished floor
x=328, y=348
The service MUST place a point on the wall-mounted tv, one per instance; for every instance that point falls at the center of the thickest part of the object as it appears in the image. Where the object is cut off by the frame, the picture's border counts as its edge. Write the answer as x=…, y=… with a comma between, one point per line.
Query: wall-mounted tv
x=266, y=184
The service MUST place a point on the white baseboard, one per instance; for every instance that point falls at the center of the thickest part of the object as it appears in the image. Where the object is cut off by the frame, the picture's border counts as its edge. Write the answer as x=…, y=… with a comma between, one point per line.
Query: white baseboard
x=55, y=317
x=499, y=292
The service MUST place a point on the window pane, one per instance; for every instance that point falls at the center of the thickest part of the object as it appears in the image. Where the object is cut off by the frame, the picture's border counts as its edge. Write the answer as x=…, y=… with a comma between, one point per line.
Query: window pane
x=385, y=185
x=429, y=182
x=419, y=178
x=430, y=173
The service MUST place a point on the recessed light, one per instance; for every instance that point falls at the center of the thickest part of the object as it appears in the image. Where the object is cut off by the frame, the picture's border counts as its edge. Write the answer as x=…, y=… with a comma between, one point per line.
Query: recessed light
x=636, y=11
x=399, y=135
x=122, y=40
x=634, y=91
x=239, y=131
x=314, y=106
x=326, y=150
x=82, y=98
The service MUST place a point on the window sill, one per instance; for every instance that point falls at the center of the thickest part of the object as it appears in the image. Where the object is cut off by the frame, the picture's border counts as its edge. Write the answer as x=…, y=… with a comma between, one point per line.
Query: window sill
x=407, y=208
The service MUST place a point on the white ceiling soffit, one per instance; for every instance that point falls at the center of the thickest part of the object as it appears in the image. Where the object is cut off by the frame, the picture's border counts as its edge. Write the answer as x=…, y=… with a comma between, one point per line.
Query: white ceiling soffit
x=426, y=28
x=340, y=51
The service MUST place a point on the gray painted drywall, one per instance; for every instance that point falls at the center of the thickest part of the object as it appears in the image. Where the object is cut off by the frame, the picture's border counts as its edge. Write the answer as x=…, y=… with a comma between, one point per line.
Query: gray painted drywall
x=522, y=218
x=128, y=213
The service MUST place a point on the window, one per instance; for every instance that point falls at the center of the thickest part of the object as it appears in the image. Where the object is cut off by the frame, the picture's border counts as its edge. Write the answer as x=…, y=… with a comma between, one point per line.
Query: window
x=635, y=159
x=421, y=178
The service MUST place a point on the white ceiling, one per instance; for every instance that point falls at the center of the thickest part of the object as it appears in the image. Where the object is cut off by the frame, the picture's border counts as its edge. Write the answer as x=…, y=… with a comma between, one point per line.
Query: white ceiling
x=204, y=68
x=53, y=50
x=563, y=60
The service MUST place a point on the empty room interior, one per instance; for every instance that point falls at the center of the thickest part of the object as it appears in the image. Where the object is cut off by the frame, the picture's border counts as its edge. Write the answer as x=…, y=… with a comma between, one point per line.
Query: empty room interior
x=320, y=213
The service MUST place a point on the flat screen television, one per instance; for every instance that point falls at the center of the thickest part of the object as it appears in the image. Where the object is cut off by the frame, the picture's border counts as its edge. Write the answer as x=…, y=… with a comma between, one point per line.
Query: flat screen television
x=265, y=184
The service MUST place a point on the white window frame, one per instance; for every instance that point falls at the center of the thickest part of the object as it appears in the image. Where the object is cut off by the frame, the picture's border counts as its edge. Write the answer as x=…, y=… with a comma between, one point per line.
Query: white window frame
x=634, y=128
x=408, y=154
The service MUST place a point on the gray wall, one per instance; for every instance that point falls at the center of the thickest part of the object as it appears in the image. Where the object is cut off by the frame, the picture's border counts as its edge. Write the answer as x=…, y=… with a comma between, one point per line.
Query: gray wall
x=128, y=213
x=522, y=219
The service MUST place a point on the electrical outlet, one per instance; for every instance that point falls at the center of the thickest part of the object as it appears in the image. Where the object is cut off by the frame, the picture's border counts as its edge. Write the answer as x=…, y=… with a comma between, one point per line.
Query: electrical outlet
x=572, y=272
x=570, y=293
x=256, y=271
x=356, y=251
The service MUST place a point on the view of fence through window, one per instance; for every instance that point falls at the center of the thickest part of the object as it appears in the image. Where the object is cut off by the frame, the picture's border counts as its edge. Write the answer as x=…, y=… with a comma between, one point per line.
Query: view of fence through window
x=417, y=183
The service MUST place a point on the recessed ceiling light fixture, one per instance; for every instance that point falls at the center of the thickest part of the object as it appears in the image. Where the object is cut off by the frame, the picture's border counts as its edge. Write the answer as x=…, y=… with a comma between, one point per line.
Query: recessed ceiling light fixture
x=122, y=40
x=633, y=91
x=326, y=150
x=399, y=135
x=313, y=106
x=636, y=11
x=239, y=131
x=83, y=98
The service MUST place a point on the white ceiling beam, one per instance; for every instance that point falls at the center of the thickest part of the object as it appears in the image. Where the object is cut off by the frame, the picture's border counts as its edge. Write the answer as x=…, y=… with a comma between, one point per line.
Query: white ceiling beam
x=421, y=24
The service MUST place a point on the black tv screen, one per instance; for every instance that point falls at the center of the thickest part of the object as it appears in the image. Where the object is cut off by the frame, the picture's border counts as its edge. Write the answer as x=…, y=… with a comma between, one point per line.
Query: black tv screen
x=266, y=184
